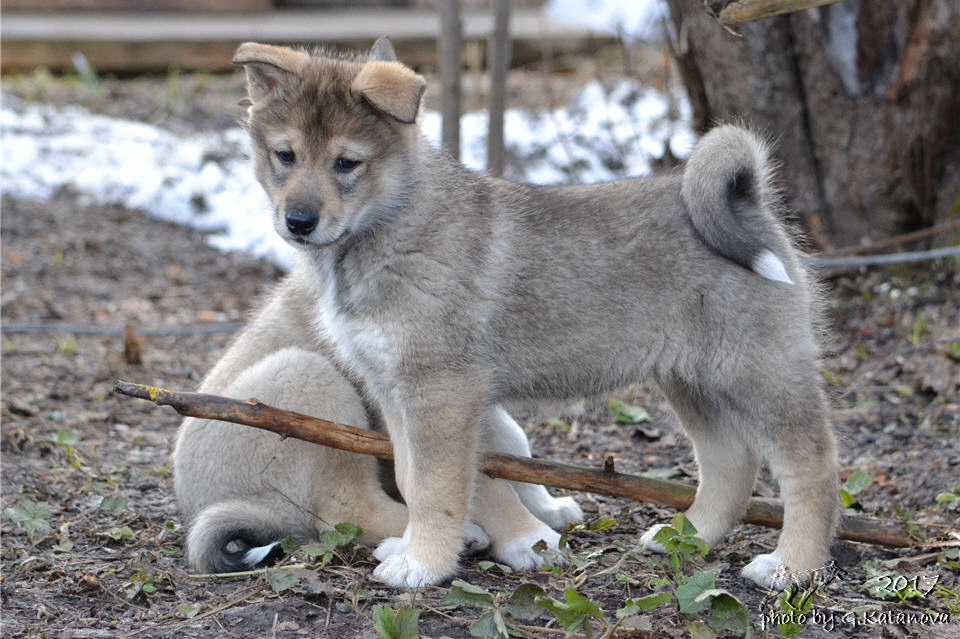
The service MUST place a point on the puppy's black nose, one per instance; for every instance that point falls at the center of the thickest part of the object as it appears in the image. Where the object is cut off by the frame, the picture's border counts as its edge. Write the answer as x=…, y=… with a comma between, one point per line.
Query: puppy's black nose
x=300, y=222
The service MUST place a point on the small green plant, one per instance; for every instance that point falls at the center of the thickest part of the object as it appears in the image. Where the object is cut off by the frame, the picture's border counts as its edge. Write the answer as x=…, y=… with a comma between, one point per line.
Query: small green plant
x=32, y=517
x=920, y=330
x=67, y=344
x=950, y=500
x=794, y=607
x=113, y=505
x=402, y=623
x=683, y=549
x=696, y=593
x=626, y=413
x=188, y=610
x=833, y=379
x=145, y=578
x=501, y=614
x=574, y=613
x=855, y=484
x=120, y=533
x=343, y=536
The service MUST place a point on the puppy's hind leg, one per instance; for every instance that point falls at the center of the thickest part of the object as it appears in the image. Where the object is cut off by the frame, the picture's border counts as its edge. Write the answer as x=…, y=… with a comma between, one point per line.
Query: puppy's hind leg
x=804, y=460
x=727, y=465
x=504, y=435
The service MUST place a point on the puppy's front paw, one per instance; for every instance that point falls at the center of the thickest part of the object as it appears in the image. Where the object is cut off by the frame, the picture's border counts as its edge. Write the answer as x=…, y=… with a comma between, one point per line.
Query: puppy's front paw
x=474, y=538
x=559, y=512
x=767, y=571
x=518, y=553
x=390, y=546
x=404, y=571
x=649, y=543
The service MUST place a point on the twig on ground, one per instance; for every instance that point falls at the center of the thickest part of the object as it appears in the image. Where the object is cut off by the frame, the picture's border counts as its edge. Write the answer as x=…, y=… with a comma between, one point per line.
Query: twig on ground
x=887, y=258
x=762, y=512
x=913, y=236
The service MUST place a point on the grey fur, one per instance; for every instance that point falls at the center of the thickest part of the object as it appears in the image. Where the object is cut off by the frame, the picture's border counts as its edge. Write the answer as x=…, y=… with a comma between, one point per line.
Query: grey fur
x=240, y=488
x=448, y=292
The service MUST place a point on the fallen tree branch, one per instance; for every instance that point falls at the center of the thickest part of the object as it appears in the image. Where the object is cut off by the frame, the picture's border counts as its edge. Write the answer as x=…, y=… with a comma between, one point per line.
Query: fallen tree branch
x=737, y=11
x=762, y=512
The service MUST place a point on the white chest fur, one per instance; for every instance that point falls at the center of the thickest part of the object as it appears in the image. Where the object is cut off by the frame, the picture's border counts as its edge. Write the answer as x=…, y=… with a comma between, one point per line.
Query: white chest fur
x=365, y=345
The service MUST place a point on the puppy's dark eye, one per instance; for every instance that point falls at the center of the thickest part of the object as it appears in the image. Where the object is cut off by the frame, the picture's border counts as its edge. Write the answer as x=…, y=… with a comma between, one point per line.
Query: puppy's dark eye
x=345, y=165
x=286, y=157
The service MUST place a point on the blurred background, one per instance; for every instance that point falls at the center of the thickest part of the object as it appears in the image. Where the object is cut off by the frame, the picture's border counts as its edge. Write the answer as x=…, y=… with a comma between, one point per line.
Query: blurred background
x=860, y=97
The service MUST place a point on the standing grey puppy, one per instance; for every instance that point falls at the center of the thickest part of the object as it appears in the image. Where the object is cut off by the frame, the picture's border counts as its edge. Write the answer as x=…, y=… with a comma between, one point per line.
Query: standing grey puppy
x=449, y=292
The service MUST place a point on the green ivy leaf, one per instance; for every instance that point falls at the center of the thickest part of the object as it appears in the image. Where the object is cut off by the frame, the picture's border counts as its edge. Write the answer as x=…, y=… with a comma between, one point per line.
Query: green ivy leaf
x=490, y=625
x=32, y=517
x=857, y=481
x=603, y=523
x=120, y=533
x=728, y=613
x=113, y=505
x=188, y=610
x=463, y=593
x=700, y=630
x=575, y=613
x=281, y=580
x=687, y=594
x=486, y=565
x=523, y=602
x=645, y=604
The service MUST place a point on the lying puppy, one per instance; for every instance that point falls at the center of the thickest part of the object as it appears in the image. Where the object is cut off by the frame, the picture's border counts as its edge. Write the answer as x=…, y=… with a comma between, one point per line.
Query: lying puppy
x=448, y=292
x=243, y=489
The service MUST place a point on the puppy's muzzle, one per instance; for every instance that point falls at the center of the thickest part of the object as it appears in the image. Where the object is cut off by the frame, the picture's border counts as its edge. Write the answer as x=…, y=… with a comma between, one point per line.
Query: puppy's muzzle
x=301, y=222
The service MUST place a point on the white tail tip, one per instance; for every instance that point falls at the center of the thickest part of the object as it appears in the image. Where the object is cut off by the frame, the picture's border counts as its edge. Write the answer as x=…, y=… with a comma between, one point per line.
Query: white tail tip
x=768, y=265
x=258, y=553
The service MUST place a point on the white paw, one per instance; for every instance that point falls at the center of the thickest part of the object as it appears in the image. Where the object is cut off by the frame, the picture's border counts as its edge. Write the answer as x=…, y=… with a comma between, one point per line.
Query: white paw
x=391, y=546
x=404, y=571
x=518, y=553
x=648, y=542
x=767, y=571
x=558, y=512
x=474, y=538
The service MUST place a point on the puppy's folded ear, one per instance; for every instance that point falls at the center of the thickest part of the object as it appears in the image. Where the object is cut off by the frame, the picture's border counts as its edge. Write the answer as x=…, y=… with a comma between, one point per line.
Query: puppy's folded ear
x=271, y=71
x=392, y=88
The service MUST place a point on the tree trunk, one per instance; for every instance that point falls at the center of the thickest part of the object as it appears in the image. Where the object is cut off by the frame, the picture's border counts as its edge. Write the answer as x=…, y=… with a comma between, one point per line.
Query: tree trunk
x=862, y=99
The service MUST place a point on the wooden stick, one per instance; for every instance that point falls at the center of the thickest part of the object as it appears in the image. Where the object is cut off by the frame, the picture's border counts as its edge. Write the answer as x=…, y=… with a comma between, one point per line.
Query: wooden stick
x=739, y=11
x=762, y=512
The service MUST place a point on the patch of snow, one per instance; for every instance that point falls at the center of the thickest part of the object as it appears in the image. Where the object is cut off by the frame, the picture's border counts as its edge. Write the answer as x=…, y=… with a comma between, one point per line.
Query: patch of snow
x=637, y=18
x=207, y=182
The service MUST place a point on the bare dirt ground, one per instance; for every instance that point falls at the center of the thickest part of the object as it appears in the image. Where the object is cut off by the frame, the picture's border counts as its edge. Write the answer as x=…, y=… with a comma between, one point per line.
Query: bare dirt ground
x=92, y=541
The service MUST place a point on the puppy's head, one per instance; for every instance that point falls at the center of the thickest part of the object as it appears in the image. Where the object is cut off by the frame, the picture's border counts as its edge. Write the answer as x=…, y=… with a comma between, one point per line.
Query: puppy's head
x=333, y=138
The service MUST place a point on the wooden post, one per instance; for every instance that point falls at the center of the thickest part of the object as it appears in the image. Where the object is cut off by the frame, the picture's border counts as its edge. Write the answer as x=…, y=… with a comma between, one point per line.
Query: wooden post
x=450, y=46
x=498, y=62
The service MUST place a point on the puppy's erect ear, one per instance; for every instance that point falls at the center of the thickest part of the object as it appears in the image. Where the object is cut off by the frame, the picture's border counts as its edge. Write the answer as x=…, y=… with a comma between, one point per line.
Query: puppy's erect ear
x=383, y=51
x=271, y=71
x=392, y=88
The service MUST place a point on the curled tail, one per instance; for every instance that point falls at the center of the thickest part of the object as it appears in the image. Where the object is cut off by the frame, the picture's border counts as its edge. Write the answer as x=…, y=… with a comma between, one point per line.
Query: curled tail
x=236, y=535
x=728, y=192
